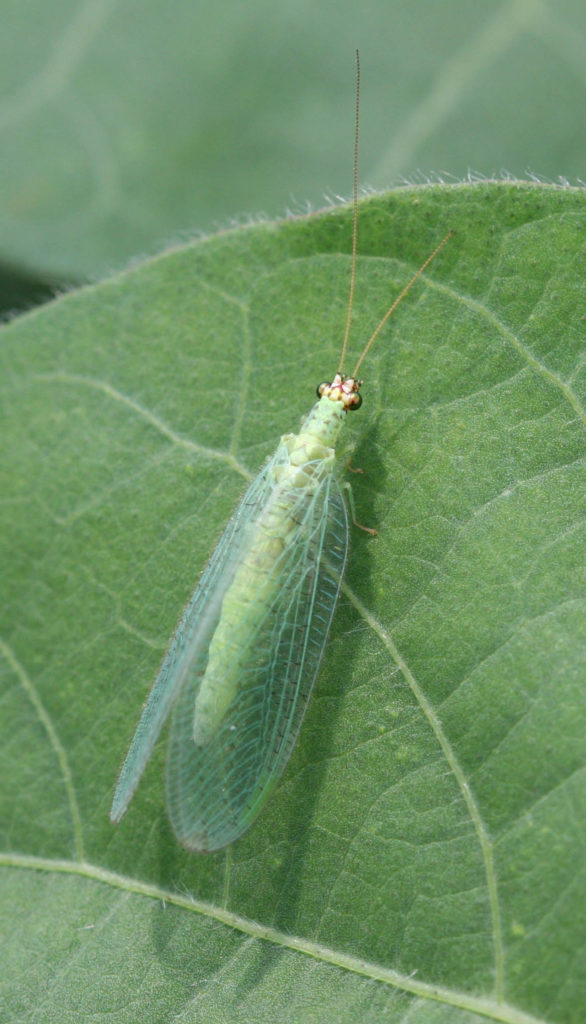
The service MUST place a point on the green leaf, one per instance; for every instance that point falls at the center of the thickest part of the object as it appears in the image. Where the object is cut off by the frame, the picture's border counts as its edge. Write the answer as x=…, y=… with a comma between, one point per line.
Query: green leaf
x=424, y=853
x=124, y=125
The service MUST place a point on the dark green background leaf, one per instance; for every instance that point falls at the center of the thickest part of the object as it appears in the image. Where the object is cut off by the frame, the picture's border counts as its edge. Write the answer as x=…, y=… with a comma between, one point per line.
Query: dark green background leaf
x=124, y=124
x=431, y=822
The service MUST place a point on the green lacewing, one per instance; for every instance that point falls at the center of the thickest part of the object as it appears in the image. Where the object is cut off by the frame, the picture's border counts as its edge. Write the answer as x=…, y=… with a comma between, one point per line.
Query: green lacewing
x=239, y=671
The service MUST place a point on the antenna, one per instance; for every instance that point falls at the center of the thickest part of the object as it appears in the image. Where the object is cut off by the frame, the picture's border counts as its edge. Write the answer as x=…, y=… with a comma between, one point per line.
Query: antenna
x=354, y=217
x=400, y=298
x=409, y=284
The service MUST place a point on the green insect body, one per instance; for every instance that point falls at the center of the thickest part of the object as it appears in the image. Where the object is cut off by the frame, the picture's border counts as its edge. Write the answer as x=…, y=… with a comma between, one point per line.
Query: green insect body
x=311, y=456
x=240, y=669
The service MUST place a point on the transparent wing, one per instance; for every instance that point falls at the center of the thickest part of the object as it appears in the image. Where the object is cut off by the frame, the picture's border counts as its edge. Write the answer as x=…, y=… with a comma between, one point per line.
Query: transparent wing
x=193, y=632
x=216, y=790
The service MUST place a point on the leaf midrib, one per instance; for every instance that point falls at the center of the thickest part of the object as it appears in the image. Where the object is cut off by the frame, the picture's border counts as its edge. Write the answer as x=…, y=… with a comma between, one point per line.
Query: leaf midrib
x=496, y=1010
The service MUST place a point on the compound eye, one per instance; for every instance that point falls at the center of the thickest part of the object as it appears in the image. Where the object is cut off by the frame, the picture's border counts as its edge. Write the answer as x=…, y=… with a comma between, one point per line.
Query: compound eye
x=321, y=388
x=356, y=402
